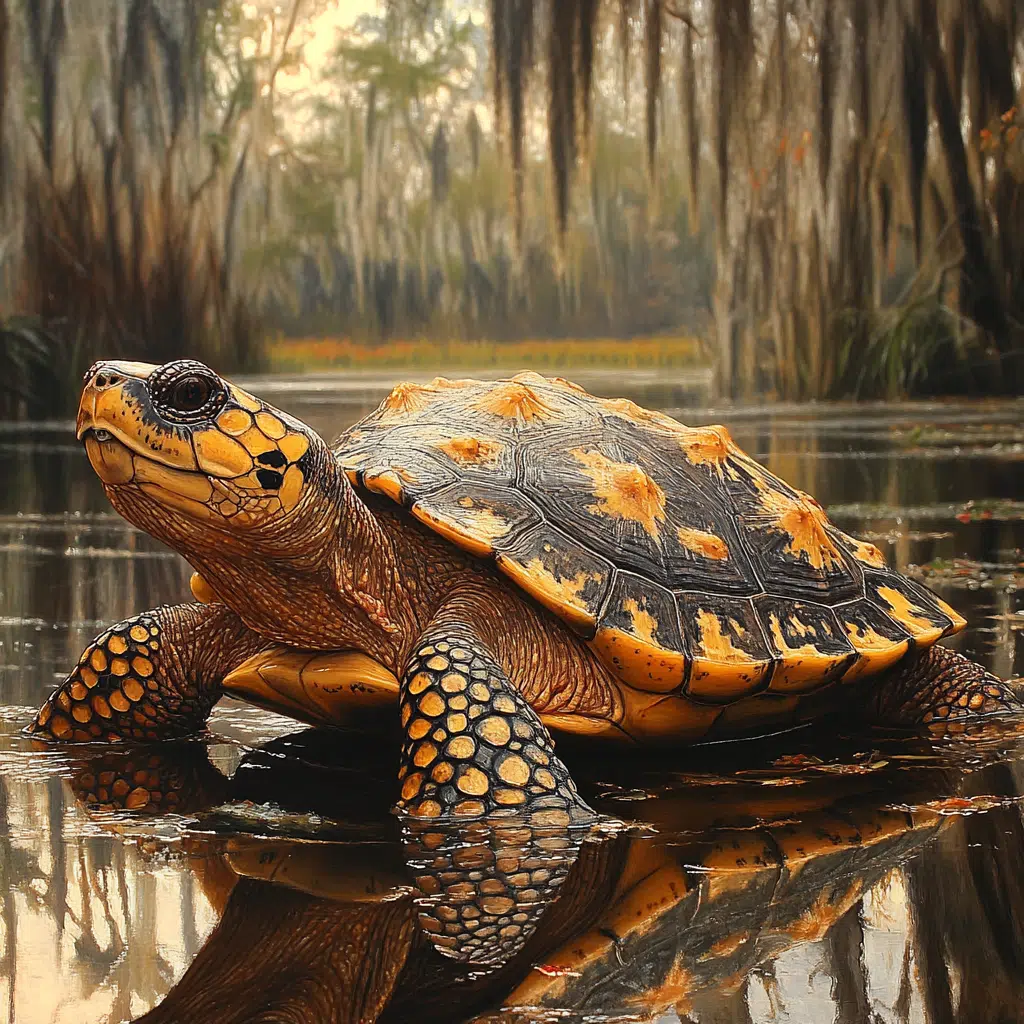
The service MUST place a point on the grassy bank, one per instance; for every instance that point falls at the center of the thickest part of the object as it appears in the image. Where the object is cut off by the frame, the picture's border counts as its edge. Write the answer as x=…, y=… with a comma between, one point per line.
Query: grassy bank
x=295, y=354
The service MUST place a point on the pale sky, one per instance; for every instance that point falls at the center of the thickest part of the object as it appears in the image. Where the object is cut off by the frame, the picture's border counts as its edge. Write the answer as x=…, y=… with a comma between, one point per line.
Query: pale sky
x=338, y=15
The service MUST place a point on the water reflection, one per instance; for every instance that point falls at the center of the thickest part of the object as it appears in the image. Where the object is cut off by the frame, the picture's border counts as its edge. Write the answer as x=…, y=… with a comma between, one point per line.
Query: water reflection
x=862, y=887
x=888, y=871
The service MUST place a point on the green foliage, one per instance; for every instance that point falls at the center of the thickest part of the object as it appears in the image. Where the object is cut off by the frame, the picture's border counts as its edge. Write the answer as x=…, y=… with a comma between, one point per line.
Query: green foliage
x=920, y=347
x=33, y=370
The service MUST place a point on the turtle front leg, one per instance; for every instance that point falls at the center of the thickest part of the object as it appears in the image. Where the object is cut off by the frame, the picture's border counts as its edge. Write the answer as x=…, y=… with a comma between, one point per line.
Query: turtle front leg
x=494, y=820
x=151, y=677
x=938, y=685
x=473, y=746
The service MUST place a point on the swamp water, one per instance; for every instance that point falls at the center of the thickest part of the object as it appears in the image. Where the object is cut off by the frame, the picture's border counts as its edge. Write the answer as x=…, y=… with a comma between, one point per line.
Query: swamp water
x=808, y=877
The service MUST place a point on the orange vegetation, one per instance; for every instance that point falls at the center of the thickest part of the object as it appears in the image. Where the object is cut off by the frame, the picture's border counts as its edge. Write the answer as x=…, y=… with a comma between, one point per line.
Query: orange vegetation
x=634, y=353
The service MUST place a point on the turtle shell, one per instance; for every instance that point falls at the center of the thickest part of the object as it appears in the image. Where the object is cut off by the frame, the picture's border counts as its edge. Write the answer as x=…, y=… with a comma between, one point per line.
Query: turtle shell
x=689, y=567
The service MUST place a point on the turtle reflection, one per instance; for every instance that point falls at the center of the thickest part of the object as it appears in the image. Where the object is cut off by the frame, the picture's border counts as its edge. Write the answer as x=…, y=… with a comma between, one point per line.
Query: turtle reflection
x=726, y=875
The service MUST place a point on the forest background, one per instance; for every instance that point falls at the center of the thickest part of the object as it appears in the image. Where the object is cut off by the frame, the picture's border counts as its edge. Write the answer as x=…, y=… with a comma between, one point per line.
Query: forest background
x=816, y=198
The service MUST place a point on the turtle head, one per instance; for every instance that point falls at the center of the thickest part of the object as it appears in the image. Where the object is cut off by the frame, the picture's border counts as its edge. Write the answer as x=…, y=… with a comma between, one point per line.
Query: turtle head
x=199, y=463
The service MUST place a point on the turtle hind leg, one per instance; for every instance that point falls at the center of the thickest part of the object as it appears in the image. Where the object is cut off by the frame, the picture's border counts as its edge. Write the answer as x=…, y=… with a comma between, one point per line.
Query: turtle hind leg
x=493, y=821
x=938, y=685
x=154, y=676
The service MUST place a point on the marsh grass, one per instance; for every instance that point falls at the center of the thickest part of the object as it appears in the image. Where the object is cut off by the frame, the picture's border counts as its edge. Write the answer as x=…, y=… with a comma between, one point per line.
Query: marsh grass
x=120, y=218
x=33, y=371
x=544, y=354
x=920, y=347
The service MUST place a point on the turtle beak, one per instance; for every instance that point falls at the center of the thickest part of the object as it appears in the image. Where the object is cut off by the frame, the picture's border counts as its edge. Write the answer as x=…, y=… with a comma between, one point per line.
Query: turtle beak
x=86, y=412
x=103, y=377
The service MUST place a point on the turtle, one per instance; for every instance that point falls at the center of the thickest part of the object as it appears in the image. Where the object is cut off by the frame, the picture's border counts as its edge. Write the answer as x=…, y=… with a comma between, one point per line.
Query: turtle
x=498, y=560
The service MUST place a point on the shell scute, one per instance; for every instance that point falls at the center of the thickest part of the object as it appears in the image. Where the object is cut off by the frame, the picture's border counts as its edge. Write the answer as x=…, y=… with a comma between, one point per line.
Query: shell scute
x=810, y=645
x=397, y=462
x=640, y=635
x=564, y=576
x=879, y=640
x=480, y=522
x=730, y=655
x=793, y=550
x=921, y=613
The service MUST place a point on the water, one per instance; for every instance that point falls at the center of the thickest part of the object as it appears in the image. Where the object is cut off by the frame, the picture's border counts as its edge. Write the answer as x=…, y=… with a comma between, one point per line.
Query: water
x=855, y=878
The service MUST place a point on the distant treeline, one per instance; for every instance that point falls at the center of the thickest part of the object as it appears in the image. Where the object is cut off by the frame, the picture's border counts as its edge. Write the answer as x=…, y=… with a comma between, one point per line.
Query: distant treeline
x=825, y=190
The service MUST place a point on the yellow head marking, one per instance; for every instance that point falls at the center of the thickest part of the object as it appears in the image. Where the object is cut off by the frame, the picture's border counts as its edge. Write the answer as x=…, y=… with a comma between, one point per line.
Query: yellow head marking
x=293, y=446
x=220, y=455
x=256, y=442
x=234, y=421
x=623, y=489
x=245, y=400
x=270, y=425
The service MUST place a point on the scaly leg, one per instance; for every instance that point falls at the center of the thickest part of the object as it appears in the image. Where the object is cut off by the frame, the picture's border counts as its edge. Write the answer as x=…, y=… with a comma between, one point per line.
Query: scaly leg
x=473, y=745
x=938, y=685
x=174, y=777
x=495, y=821
x=152, y=677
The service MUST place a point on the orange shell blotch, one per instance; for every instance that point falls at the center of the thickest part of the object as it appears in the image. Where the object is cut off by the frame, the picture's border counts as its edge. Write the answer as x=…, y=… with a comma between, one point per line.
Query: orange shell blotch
x=471, y=451
x=571, y=385
x=515, y=401
x=474, y=531
x=804, y=523
x=704, y=544
x=911, y=617
x=722, y=672
x=802, y=665
x=629, y=410
x=876, y=652
x=708, y=446
x=623, y=489
x=386, y=481
x=407, y=397
x=868, y=554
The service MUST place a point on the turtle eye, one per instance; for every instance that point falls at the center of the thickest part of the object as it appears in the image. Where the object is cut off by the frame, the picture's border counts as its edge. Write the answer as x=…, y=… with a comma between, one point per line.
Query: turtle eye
x=190, y=393
x=187, y=391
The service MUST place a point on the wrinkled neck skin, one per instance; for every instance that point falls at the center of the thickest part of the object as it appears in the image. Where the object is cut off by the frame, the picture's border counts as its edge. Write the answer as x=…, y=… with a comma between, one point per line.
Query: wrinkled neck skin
x=324, y=576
